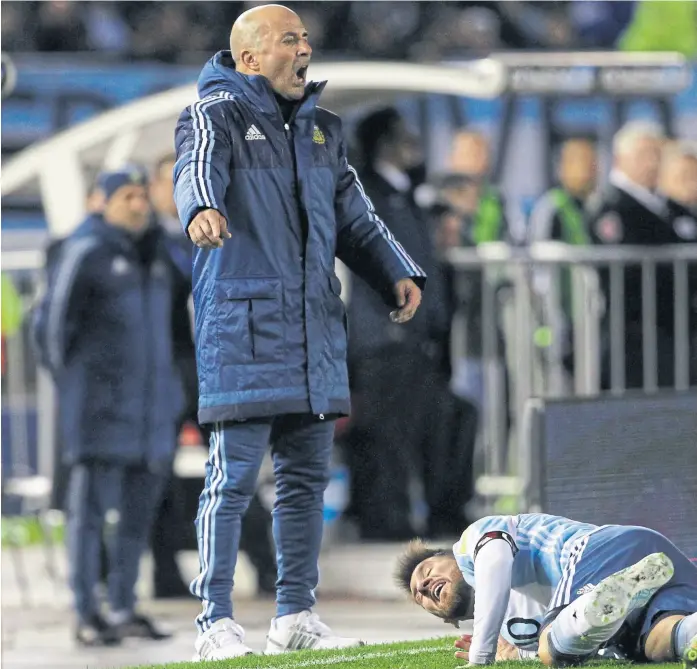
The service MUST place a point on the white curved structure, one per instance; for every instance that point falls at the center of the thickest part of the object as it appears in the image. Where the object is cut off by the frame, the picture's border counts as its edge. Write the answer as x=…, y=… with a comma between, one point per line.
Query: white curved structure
x=61, y=167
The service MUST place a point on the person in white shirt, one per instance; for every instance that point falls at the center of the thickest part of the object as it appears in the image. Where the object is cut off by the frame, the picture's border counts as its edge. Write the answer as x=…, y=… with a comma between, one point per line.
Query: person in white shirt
x=548, y=586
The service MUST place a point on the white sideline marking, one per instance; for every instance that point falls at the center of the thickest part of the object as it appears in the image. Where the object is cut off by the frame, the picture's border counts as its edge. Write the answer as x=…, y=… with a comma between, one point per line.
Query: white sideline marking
x=360, y=656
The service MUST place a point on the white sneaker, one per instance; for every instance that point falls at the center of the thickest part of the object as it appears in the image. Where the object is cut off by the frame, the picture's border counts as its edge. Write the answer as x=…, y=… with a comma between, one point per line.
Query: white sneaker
x=619, y=594
x=304, y=630
x=222, y=641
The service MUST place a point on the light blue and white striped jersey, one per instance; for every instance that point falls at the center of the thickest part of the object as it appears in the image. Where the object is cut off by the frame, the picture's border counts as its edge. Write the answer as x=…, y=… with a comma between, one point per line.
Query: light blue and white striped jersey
x=544, y=544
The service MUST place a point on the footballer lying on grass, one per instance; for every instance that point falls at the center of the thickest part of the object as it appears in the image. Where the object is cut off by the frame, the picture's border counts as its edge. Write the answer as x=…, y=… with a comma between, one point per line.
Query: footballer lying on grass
x=546, y=586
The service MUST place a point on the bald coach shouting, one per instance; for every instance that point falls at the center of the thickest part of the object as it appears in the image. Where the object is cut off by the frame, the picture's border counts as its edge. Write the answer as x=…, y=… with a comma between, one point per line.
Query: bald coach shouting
x=264, y=190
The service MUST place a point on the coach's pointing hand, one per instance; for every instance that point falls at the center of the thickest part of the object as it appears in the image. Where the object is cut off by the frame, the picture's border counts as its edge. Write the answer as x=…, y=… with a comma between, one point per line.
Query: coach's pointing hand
x=408, y=296
x=208, y=229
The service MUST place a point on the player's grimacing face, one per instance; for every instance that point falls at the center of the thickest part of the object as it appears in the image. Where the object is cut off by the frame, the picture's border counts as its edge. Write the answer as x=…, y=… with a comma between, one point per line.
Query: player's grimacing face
x=438, y=587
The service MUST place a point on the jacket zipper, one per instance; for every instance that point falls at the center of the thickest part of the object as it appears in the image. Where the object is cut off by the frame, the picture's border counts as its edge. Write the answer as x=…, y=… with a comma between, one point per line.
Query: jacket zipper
x=148, y=359
x=304, y=221
x=304, y=225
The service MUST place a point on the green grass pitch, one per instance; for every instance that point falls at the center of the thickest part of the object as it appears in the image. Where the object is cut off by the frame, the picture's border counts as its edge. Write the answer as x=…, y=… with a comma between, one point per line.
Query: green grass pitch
x=431, y=654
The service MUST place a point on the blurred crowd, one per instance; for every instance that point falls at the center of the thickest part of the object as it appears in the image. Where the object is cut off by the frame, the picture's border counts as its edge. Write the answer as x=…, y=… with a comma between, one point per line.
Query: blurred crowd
x=173, y=31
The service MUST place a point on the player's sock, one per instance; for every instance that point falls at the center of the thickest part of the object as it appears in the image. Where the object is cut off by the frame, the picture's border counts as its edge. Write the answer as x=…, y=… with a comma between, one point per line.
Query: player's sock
x=683, y=633
x=572, y=634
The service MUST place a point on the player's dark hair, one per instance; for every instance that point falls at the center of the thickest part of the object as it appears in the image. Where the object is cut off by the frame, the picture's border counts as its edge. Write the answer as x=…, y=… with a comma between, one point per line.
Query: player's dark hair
x=414, y=554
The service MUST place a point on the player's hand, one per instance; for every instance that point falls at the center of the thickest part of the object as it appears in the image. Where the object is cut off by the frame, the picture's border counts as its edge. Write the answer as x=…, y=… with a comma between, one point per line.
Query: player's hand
x=208, y=229
x=506, y=651
x=408, y=296
x=463, y=643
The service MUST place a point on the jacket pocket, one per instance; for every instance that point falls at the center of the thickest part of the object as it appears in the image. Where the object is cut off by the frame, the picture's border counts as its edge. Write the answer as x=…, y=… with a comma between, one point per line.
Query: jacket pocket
x=250, y=320
x=338, y=321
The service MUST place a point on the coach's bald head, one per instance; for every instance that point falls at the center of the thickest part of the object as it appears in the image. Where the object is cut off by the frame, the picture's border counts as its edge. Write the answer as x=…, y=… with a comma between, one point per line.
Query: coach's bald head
x=272, y=41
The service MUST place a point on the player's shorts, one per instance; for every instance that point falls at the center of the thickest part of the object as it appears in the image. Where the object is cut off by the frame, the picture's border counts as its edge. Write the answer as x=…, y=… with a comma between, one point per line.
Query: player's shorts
x=611, y=549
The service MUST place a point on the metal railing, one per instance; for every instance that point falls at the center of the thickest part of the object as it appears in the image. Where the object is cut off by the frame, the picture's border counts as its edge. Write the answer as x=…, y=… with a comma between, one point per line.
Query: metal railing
x=522, y=307
x=523, y=326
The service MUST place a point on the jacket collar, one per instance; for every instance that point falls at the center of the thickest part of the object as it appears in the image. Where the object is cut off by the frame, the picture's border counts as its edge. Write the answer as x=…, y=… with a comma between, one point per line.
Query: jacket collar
x=648, y=199
x=219, y=74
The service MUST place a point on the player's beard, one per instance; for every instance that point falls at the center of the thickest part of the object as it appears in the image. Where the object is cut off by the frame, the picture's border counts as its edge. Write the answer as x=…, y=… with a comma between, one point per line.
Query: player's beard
x=461, y=605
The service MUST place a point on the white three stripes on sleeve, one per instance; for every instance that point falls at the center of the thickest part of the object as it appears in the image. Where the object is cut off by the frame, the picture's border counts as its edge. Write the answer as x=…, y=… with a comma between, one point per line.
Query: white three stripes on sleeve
x=403, y=256
x=204, y=140
x=72, y=256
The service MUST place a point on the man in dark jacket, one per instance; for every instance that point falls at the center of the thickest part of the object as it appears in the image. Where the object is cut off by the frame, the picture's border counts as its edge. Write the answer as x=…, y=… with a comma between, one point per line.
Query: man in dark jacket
x=631, y=211
x=560, y=213
x=402, y=423
x=103, y=330
x=678, y=182
x=263, y=187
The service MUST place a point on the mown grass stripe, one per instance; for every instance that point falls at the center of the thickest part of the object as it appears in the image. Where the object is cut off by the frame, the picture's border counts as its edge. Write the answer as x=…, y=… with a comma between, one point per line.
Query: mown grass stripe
x=338, y=659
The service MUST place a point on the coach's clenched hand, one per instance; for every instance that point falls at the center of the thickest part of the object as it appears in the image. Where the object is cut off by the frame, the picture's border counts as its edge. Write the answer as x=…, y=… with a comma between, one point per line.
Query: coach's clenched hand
x=408, y=296
x=208, y=229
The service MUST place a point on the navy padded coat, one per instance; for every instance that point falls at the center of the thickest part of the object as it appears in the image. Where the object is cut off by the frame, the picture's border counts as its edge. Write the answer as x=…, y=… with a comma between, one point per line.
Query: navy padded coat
x=104, y=330
x=270, y=324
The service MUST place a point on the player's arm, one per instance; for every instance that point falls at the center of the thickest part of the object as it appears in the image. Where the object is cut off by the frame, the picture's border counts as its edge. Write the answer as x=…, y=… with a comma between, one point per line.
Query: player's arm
x=202, y=172
x=364, y=243
x=493, y=568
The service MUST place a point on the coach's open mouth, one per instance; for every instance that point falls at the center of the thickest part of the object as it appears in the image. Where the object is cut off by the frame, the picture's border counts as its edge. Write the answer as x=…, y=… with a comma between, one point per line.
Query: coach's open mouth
x=301, y=74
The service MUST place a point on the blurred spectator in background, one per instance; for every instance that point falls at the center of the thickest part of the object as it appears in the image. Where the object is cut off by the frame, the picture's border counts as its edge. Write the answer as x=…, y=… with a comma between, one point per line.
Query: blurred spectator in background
x=466, y=188
x=162, y=198
x=473, y=211
x=383, y=30
x=598, y=23
x=172, y=30
x=450, y=30
x=107, y=29
x=559, y=213
x=18, y=33
x=678, y=182
x=60, y=26
x=170, y=525
x=103, y=330
x=631, y=211
x=543, y=25
x=403, y=418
